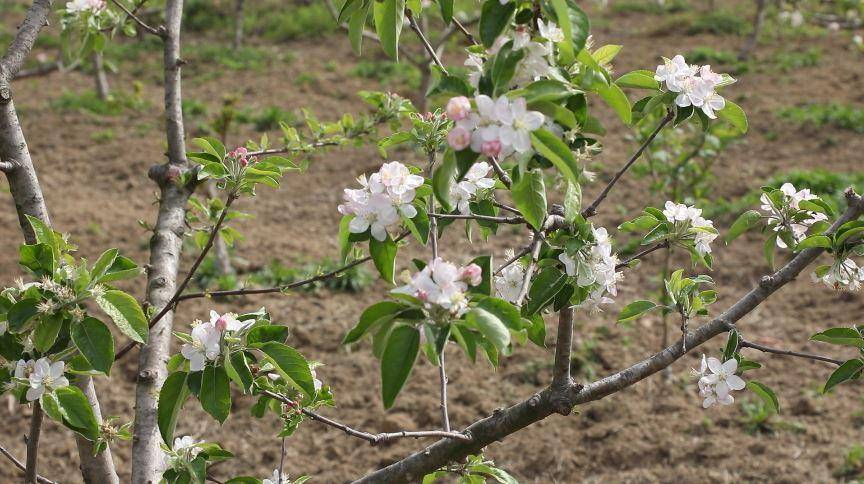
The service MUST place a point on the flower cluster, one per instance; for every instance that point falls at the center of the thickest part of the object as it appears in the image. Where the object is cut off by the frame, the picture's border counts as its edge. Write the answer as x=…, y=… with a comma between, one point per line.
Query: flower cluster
x=184, y=451
x=239, y=155
x=594, y=265
x=689, y=221
x=788, y=216
x=844, y=273
x=206, y=343
x=442, y=284
x=80, y=6
x=42, y=376
x=717, y=381
x=474, y=181
x=696, y=86
x=537, y=60
x=508, y=283
x=384, y=196
x=499, y=128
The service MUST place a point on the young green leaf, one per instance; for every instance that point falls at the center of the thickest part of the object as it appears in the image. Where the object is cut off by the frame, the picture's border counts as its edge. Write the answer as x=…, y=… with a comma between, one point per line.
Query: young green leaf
x=744, y=222
x=77, y=412
x=494, y=17
x=172, y=396
x=291, y=364
x=215, y=394
x=634, y=310
x=529, y=195
x=551, y=147
x=734, y=115
x=384, y=256
x=397, y=361
x=766, y=394
x=847, y=371
x=126, y=313
x=95, y=342
x=389, y=17
x=490, y=327
x=373, y=316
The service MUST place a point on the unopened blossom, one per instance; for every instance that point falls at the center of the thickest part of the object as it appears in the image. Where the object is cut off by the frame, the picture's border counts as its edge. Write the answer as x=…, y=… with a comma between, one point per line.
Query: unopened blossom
x=205, y=346
x=78, y=6
x=783, y=217
x=45, y=377
x=509, y=282
x=442, y=284
x=458, y=108
x=384, y=196
x=843, y=274
x=226, y=322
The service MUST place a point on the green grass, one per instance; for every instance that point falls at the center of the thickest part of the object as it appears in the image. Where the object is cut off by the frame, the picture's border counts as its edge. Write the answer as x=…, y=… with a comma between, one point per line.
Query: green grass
x=719, y=23
x=246, y=58
x=822, y=115
x=297, y=22
x=853, y=463
x=649, y=6
x=388, y=73
x=118, y=103
x=269, y=118
x=788, y=61
x=727, y=59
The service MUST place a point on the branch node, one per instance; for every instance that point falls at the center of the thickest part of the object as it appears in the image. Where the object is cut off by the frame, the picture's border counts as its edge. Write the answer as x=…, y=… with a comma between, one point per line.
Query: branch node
x=766, y=282
x=5, y=93
x=146, y=375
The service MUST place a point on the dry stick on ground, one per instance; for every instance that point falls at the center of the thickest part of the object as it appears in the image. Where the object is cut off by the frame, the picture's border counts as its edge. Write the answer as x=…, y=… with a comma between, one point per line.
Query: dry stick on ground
x=591, y=210
x=369, y=437
x=20, y=465
x=166, y=245
x=767, y=349
x=27, y=195
x=552, y=400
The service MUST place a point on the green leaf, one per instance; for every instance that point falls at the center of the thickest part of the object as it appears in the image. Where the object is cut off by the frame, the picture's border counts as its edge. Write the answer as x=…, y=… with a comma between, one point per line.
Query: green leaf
x=580, y=26
x=766, y=394
x=172, y=397
x=819, y=241
x=504, y=311
x=485, y=286
x=529, y=195
x=212, y=146
x=840, y=336
x=490, y=327
x=543, y=289
x=21, y=312
x=46, y=332
x=617, y=100
x=77, y=412
x=572, y=202
x=356, y=25
x=45, y=235
x=734, y=115
x=638, y=80
x=95, y=342
x=38, y=258
x=291, y=364
x=565, y=47
x=442, y=178
x=384, y=256
x=745, y=221
x=551, y=147
x=215, y=394
x=446, y=10
x=847, y=371
x=548, y=90
x=634, y=310
x=371, y=317
x=238, y=370
x=731, y=347
x=263, y=334
x=397, y=361
x=103, y=263
x=126, y=313
x=494, y=17
x=389, y=16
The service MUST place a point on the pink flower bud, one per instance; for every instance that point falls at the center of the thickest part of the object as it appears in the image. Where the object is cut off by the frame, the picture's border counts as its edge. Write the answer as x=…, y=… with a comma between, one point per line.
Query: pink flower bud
x=459, y=138
x=458, y=108
x=172, y=173
x=491, y=148
x=422, y=295
x=244, y=162
x=222, y=323
x=240, y=152
x=472, y=273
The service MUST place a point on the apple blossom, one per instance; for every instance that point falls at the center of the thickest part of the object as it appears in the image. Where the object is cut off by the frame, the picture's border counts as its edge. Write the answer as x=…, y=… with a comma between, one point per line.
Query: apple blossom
x=79, y=6
x=689, y=222
x=277, y=478
x=442, y=284
x=458, y=108
x=459, y=138
x=384, y=196
x=696, y=86
x=594, y=265
x=509, y=282
x=722, y=378
x=784, y=217
x=843, y=274
x=518, y=123
x=206, y=345
x=45, y=376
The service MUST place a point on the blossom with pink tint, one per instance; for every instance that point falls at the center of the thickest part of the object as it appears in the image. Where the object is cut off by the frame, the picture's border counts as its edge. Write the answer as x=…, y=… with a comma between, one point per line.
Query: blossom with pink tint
x=491, y=148
x=459, y=138
x=458, y=108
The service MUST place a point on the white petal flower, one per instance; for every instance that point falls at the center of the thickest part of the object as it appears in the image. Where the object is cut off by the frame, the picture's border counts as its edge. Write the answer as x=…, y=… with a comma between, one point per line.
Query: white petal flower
x=205, y=346
x=45, y=377
x=509, y=282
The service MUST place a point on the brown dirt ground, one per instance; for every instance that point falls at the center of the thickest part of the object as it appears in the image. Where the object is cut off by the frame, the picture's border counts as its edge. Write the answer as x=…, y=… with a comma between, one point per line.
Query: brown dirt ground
x=653, y=432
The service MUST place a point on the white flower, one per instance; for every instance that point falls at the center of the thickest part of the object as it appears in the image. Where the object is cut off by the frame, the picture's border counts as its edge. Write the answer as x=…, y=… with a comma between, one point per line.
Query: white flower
x=4, y=326
x=78, y=6
x=844, y=274
x=550, y=31
x=23, y=369
x=703, y=238
x=475, y=179
x=722, y=377
x=595, y=301
x=184, y=450
x=509, y=282
x=595, y=265
x=782, y=217
x=398, y=179
x=695, y=85
x=673, y=72
x=227, y=322
x=384, y=196
x=679, y=212
x=442, y=284
x=46, y=376
x=276, y=478
x=517, y=125
x=206, y=345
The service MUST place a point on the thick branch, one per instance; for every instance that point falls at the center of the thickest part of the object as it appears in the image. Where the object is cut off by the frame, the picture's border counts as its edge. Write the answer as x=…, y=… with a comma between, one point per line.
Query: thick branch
x=549, y=400
x=33, y=443
x=563, y=344
x=369, y=437
x=13, y=59
x=20, y=465
x=799, y=354
x=591, y=210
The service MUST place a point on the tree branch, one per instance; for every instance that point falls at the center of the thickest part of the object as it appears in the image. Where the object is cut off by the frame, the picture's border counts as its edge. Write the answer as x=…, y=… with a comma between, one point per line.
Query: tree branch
x=33, y=443
x=513, y=259
x=20, y=465
x=529, y=271
x=369, y=437
x=158, y=32
x=429, y=49
x=22, y=44
x=502, y=174
x=473, y=216
x=591, y=210
x=642, y=253
x=767, y=349
x=563, y=344
x=551, y=400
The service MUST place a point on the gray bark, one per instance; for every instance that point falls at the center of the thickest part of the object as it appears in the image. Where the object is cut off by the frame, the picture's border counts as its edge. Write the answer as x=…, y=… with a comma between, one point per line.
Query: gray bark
x=101, y=79
x=554, y=399
x=238, y=24
x=27, y=195
x=165, y=248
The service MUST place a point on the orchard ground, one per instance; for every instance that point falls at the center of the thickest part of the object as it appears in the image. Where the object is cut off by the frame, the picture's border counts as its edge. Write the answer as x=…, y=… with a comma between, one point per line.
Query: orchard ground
x=93, y=170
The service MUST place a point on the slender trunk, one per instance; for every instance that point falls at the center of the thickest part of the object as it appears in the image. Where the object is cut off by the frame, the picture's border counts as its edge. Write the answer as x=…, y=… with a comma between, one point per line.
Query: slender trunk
x=165, y=248
x=33, y=444
x=27, y=195
x=238, y=24
x=758, y=20
x=102, y=88
x=220, y=248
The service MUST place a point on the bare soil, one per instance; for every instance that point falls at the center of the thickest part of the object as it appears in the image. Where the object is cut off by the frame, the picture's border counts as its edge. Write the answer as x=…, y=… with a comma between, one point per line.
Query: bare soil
x=655, y=431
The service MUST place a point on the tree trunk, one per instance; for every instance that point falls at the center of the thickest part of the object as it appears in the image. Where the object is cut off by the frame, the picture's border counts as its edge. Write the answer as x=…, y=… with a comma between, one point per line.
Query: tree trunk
x=751, y=41
x=165, y=248
x=238, y=24
x=102, y=88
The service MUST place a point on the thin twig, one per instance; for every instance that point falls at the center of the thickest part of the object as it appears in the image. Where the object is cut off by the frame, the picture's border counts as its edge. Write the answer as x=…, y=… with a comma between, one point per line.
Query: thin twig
x=507, y=207
x=624, y=263
x=526, y=282
x=591, y=210
x=173, y=301
x=281, y=461
x=159, y=32
x=442, y=374
x=33, y=443
x=7, y=166
x=474, y=216
x=369, y=437
x=516, y=256
x=465, y=31
x=429, y=49
x=20, y=465
x=767, y=349
x=502, y=174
